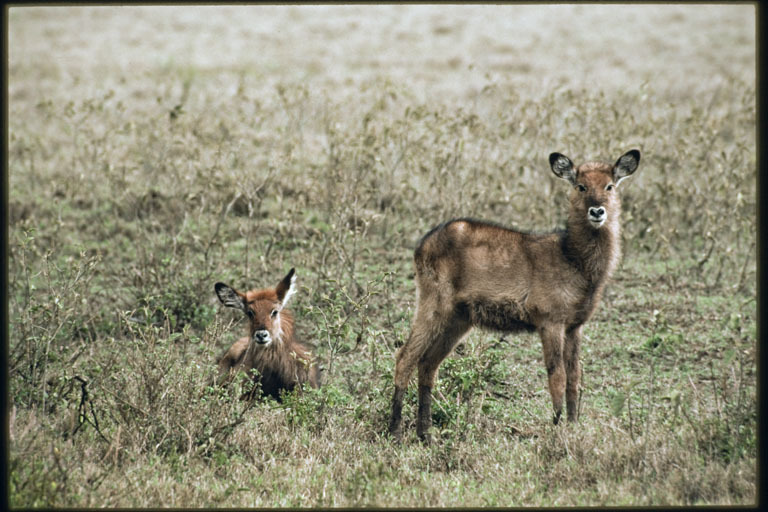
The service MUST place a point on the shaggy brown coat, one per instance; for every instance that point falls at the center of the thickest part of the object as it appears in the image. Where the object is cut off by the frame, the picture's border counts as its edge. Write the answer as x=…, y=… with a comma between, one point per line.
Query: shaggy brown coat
x=472, y=273
x=271, y=348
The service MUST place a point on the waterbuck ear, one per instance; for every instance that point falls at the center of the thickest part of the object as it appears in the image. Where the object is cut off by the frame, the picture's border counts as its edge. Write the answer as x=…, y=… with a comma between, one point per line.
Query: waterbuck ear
x=562, y=167
x=286, y=288
x=230, y=297
x=626, y=165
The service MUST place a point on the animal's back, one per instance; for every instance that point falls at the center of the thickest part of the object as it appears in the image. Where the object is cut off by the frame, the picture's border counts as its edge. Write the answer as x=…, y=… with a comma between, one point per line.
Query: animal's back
x=493, y=275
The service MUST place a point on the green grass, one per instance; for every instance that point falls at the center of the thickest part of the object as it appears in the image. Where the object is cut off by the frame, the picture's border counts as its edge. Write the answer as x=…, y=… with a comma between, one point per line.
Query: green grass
x=141, y=172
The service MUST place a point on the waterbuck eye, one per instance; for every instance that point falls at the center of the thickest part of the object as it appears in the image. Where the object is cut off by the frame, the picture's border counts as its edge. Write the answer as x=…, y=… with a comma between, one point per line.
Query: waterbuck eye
x=581, y=188
x=250, y=313
x=273, y=314
x=609, y=187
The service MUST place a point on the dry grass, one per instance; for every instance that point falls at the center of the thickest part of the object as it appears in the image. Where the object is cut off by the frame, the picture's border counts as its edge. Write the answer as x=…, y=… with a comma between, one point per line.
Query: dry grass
x=156, y=150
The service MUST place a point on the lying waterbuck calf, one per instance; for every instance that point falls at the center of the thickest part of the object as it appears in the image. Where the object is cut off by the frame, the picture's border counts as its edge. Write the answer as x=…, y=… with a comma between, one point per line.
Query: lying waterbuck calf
x=471, y=273
x=271, y=347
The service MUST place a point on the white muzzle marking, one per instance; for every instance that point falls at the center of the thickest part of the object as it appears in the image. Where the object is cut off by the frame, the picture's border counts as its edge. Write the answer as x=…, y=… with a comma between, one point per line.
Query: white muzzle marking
x=596, y=216
x=262, y=337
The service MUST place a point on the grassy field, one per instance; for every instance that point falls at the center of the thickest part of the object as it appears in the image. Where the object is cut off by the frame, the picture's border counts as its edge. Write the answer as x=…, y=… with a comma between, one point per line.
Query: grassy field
x=156, y=150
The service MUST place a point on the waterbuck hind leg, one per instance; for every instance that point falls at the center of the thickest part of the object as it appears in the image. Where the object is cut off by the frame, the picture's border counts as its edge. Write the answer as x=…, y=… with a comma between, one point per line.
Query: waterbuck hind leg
x=552, y=341
x=571, y=353
x=428, y=344
x=396, y=419
x=450, y=336
x=424, y=422
x=405, y=362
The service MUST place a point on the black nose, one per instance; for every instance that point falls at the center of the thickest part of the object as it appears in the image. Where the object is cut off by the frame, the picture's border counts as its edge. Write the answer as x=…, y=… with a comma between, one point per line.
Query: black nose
x=261, y=336
x=597, y=212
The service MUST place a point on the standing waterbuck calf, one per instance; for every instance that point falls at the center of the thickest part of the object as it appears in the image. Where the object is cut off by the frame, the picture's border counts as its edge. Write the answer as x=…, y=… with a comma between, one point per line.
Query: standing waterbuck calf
x=271, y=347
x=471, y=273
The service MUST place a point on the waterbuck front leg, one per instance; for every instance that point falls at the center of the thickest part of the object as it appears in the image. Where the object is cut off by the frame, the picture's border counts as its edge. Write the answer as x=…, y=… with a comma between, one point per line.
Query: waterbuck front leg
x=552, y=337
x=571, y=354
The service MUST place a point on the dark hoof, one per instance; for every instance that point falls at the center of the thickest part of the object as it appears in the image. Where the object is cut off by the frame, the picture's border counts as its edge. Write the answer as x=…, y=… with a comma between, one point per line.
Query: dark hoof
x=556, y=418
x=396, y=432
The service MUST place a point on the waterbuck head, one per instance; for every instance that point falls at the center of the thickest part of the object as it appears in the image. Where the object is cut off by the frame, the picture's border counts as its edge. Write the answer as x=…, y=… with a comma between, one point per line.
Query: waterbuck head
x=264, y=308
x=594, y=199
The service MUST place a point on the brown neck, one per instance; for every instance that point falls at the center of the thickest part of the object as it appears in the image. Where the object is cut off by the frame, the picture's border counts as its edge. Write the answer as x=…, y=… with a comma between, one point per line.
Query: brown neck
x=595, y=252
